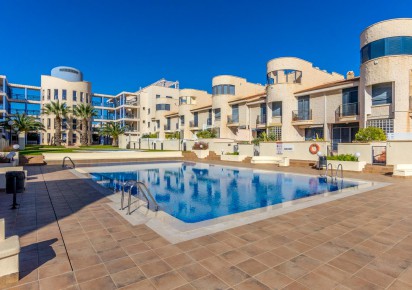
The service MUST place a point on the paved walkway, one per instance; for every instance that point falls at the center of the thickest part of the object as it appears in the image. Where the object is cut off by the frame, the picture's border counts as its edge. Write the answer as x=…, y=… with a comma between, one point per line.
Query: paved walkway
x=71, y=239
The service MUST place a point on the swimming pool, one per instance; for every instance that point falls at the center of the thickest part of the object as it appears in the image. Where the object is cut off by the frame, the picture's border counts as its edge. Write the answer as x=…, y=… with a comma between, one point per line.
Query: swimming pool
x=195, y=192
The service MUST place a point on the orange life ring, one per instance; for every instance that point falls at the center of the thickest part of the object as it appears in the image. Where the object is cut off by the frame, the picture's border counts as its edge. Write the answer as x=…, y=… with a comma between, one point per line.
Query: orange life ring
x=314, y=148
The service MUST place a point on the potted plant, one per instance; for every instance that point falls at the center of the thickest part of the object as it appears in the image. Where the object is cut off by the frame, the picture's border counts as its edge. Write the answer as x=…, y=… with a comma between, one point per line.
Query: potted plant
x=201, y=149
x=235, y=157
x=349, y=162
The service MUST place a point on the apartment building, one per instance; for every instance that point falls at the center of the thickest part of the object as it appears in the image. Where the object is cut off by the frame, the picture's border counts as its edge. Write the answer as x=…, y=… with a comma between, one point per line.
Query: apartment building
x=298, y=102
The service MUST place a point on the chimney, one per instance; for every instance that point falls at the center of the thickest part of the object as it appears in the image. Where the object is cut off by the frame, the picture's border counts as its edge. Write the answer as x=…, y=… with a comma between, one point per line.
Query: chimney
x=350, y=75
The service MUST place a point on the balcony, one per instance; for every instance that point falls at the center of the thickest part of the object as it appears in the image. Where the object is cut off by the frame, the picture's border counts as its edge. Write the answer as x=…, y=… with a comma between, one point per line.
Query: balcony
x=193, y=125
x=347, y=112
x=34, y=113
x=166, y=128
x=275, y=121
x=261, y=121
x=100, y=104
x=302, y=117
x=232, y=122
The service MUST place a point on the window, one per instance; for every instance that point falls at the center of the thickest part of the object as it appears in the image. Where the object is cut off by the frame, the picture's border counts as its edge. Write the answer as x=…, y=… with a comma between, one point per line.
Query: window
x=48, y=137
x=48, y=123
x=64, y=137
x=148, y=124
x=74, y=138
x=277, y=131
x=385, y=124
x=157, y=96
x=313, y=133
x=56, y=94
x=381, y=94
x=169, y=97
x=235, y=113
x=74, y=126
x=64, y=124
x=74, y=96
x=81, y=97
x=217, y=114
x=397, y=45
x=195, y=119
x=163, y=107
x=87, y=97
x=223, y=90
x=182, y=120
x=148, y=111
x=182, y=100
x=350, y=102
x=276, y=109
x=64, y=95
x=48, y=94
x=42, y=95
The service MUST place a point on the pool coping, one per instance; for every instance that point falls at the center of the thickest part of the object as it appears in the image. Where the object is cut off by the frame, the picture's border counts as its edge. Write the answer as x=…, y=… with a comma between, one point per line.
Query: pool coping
x=175, y=230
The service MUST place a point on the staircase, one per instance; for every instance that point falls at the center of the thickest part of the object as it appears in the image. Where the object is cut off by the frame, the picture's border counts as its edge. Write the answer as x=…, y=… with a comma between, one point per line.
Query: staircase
x=247, y=160
x=302, y=163
x=212, y=156
x=189, y=156
x=378, y=169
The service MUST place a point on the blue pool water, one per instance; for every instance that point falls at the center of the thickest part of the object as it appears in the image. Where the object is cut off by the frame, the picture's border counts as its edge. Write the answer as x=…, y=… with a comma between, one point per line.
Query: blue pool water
x=194, y=192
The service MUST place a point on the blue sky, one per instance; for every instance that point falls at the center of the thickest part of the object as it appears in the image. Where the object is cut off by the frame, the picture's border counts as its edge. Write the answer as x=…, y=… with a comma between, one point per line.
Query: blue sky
x=122, y=45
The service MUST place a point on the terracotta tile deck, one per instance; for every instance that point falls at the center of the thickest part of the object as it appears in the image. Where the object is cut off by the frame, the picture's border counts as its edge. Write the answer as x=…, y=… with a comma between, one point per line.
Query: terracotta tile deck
x=71, y=239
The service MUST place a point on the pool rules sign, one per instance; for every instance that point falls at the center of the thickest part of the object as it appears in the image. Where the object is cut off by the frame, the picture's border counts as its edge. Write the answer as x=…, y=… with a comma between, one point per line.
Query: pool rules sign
x=281, y=148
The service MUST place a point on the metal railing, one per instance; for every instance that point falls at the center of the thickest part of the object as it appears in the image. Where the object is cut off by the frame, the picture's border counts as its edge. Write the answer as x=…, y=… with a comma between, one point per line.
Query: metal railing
x=337, y=170
x=142, y=188
x=302, y=115
x=64, y=162
x=347, y=110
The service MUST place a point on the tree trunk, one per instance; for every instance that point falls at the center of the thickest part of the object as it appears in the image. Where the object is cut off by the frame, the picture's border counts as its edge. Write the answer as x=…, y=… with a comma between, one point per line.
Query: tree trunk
x=114, y=142
x=83, y=139
x=57, y=132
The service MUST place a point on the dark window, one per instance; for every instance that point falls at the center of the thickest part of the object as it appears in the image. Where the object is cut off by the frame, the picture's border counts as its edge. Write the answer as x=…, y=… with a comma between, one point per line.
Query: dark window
x=235, y=113
x=162, y=107
x=217, y=114
x=56, y=94
x=182, y=120
x=313, y=133
x=64, y=95
x=387, y=46
x=157, y=96
x=74, y=96
x=381, y=94
x=276, y=109
x=223, y=90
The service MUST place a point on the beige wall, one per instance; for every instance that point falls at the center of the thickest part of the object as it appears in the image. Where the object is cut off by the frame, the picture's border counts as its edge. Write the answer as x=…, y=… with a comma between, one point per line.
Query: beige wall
x=300, y=150
x=399, y=152
x=52, y=83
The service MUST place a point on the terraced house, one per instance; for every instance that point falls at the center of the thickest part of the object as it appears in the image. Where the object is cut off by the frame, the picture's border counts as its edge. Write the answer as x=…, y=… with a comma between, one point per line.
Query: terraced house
x=298, y=102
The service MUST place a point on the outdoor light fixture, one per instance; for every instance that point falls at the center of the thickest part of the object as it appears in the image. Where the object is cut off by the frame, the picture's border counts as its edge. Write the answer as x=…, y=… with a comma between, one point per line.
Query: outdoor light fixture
x=320, y=154
x=16, y=146
x=357, y=155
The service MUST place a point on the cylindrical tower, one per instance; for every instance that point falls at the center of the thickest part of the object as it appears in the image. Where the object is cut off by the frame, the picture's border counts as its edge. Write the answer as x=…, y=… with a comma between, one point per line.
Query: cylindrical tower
x=385, y=75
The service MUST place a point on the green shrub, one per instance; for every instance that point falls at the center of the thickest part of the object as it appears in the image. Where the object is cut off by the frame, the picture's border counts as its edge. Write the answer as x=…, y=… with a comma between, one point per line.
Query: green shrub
x=263, y=137
x=370, y=134
x=174, y=135
x=343, y=157
x=150, y=135
x=232, y=153
x=200, y=146
x=206, y=134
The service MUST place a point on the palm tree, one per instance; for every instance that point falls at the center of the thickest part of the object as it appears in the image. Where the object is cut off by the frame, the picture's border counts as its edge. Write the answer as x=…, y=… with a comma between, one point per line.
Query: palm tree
x=24, y=123
x=85, y=112
x=113, y=130
x=59, y=110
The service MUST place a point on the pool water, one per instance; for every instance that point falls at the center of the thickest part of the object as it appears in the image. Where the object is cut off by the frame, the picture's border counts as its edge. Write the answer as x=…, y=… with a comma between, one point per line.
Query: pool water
x=194, y=192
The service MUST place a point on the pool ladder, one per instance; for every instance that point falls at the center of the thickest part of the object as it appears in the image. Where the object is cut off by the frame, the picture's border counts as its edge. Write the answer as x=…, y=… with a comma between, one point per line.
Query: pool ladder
x=339, y=168
x=64, y=162
x=142, y=188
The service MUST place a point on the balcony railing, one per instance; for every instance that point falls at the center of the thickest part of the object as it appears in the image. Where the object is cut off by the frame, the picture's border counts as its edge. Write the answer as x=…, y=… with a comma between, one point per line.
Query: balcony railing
x=166, y=128
x=18, y=96
x=347, y=110
x=209, y=121
x=193, y=124
x=100, y=104
x=23, y=111
x=231, y=120
x=302, y=115
x=33, y=97
x=261, y=120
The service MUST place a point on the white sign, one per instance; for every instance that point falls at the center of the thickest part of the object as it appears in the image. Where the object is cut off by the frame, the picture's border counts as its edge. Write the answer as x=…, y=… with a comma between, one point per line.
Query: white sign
x=288, y=147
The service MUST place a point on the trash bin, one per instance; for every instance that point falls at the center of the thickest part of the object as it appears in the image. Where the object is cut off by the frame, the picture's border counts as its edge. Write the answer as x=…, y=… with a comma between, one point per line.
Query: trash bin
x=20, y=180
x=322, y=162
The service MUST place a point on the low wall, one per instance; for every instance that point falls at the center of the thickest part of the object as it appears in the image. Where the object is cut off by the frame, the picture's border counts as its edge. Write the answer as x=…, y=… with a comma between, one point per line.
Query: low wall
x=399, y=152
x=292, y=150
x=246, y=149
x=365, y=149
x=112, y=155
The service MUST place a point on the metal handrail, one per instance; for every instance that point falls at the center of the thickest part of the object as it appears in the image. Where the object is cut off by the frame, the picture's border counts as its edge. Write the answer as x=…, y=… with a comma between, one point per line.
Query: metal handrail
x=145, y=192
x=331, y=170
x=341, y=171
x=64, y=160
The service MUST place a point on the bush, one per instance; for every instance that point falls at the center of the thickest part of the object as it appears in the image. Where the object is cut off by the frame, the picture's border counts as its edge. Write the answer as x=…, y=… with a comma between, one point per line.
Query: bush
x=200, y=146
x=175, y=135
x=206, y=134
x=232, y=153
x=343, y=157
x=265, y=138
x=370, y=134
x=152, y=135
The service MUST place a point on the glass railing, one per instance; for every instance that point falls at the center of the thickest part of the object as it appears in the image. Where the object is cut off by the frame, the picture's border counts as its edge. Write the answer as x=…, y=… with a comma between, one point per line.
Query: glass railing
x=261, y=120
x=166, y=128
x=33, y=97
x=232, y=120
x=351, y=109
x=209, y=121
x=18, y=96
x=302, y=115
x=193, y=124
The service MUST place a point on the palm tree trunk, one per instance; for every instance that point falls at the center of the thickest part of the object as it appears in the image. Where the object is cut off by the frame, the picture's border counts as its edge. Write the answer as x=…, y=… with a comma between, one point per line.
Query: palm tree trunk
x=57, y=132
x=83, y=139
x=114, y=141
